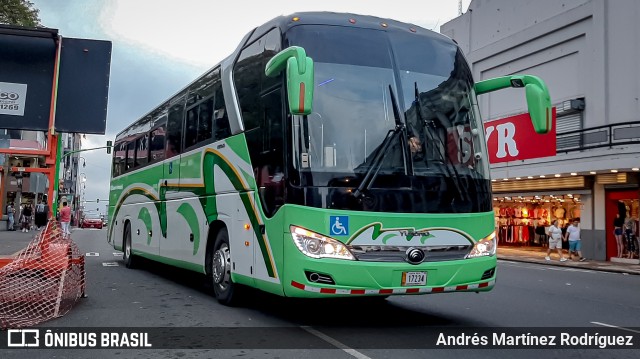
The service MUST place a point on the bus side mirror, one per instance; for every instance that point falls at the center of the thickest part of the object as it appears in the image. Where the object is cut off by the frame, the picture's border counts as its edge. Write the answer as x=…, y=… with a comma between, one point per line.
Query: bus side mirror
x=299, y=72
x=538, y=99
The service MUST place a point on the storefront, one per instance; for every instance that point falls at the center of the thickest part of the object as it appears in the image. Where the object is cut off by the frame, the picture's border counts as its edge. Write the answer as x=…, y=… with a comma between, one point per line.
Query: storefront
x=524, y=220
x=624, y=202
x=525, y=208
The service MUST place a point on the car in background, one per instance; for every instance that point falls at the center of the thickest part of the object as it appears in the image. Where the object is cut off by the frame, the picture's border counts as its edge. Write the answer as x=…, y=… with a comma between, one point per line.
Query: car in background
x=91, y=220
x=105, y=220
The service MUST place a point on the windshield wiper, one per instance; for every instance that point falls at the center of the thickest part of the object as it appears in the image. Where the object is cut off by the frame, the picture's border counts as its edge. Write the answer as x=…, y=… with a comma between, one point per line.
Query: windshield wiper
x=455, y=176
x=382, y=152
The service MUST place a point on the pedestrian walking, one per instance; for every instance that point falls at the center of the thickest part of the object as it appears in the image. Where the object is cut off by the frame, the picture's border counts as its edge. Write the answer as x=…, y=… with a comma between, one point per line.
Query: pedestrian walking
x=41, y=214
x=11, y=217
x=555, y=241
x=26, y=218
x=65, y=219
x=573, y=234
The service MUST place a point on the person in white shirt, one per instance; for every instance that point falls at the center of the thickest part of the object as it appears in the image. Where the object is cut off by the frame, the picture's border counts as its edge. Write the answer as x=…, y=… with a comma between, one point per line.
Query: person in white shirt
x=555, y=241
x=573, y=233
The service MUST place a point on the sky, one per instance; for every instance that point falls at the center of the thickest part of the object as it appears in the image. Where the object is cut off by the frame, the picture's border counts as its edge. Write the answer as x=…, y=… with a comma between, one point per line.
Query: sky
x=160, y=46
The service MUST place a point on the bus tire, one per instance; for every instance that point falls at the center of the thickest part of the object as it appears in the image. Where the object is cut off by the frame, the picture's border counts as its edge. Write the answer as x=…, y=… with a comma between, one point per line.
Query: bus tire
x=129, y=260
x=223, y=286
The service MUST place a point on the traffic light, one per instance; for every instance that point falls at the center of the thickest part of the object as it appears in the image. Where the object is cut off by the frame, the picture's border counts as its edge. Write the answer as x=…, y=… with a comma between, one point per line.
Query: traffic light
x=109, y=145
x=97, y=200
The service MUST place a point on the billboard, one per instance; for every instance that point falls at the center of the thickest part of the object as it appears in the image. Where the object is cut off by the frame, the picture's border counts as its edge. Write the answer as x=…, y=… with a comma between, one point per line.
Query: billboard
x=513, y=138
x=27, y=65
x=83, y=87
x=27, y=62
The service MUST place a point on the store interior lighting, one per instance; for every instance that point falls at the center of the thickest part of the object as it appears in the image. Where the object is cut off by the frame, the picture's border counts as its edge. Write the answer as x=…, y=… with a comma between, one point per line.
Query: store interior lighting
x=539, y=199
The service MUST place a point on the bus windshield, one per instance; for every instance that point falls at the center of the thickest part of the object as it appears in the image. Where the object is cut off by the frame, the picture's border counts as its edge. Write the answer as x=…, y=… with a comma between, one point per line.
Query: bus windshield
x=437, y=164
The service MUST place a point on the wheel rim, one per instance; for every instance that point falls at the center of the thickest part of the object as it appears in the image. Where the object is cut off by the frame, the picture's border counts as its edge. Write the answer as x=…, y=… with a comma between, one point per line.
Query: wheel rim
x=221, y=267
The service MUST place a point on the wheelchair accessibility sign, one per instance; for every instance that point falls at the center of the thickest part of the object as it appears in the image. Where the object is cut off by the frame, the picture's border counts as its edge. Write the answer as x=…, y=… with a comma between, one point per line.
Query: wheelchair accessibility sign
x=339, y=225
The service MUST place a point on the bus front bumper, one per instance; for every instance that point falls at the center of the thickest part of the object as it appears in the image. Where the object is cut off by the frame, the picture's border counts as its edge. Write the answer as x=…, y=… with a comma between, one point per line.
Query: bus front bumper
x=344, y=278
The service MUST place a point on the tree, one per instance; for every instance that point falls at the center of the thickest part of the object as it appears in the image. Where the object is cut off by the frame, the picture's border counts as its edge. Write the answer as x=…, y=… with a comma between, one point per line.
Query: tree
x=19, y=12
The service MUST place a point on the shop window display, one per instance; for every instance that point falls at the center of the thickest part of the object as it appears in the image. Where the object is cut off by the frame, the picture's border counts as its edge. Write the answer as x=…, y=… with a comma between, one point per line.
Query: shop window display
x=628, y=209
x=524, y=222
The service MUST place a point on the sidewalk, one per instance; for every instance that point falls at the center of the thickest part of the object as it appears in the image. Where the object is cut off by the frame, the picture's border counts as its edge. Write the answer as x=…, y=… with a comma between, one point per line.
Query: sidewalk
x=537, y=254
x=12, y=242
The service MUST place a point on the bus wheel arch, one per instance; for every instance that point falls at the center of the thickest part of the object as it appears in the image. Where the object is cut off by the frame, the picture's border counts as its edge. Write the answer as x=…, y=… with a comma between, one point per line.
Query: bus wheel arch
x=219, y=266
x=214, y=227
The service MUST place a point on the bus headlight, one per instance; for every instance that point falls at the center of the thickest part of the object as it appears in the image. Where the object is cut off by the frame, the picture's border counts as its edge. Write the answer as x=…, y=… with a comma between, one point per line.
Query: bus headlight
x=484, y=247
x=315, y=245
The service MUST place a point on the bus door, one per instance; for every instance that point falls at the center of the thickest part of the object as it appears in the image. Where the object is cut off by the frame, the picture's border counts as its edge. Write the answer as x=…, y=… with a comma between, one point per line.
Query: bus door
x=170, y=183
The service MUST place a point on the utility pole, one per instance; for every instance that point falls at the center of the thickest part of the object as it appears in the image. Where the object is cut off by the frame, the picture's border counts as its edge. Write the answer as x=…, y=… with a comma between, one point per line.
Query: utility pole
x=459, y=7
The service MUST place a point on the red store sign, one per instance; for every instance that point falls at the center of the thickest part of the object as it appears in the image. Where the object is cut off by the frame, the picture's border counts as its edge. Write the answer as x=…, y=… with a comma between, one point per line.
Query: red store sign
x=513, y=138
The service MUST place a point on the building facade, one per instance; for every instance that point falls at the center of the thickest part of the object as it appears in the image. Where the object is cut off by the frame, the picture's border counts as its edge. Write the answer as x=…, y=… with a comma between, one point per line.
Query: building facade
x=587, y=52
x=20, y=187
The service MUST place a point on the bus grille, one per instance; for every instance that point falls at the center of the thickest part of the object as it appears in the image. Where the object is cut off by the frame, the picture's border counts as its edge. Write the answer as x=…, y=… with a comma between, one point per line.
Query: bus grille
x=397, y=253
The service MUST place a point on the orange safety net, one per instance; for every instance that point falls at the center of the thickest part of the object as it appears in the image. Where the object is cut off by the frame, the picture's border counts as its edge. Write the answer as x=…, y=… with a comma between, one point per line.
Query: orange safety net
x=43, y=281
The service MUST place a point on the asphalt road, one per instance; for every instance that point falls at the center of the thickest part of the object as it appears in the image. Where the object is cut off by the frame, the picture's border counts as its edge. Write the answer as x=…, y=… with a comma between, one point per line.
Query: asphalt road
x=526, y=296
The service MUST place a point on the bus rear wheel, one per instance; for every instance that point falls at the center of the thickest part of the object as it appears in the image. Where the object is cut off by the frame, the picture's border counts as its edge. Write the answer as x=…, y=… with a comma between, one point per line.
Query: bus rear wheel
x=129, y=260
x=223, y=286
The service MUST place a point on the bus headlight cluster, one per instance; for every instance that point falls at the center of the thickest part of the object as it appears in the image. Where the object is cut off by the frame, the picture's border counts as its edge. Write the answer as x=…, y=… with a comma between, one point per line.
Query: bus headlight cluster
x=484, y=247
x=315, y=245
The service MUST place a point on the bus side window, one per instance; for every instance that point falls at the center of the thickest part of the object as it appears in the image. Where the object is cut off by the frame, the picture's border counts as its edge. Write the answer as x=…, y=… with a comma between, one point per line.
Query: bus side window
x=119, y=157
x=174, y=127
x=247, y=73
x=131, y=153
x=204, y=121
x=262, y=113
x=142, y=151
x=191, y=127
x=221, y=125
x=156, y=145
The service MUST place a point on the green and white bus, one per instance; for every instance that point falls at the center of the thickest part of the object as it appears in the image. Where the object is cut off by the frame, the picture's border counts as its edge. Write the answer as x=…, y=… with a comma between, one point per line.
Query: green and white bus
x=329, y=155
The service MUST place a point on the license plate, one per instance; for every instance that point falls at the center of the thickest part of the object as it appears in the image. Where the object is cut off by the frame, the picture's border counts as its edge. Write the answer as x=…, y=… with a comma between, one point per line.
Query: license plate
x=414, y=278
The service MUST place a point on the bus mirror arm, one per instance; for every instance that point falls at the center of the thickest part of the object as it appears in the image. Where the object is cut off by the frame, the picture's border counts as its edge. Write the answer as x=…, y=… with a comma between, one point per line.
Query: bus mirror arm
x=280, y=60
x=299, y=76
x=538, y=99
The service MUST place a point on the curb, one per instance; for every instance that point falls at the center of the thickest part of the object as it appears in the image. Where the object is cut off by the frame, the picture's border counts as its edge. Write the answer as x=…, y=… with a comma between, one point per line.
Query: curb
x=564, y=265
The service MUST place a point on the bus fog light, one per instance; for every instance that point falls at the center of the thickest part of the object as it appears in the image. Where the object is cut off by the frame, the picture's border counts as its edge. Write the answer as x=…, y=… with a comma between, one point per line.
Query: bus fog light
x=315, y=245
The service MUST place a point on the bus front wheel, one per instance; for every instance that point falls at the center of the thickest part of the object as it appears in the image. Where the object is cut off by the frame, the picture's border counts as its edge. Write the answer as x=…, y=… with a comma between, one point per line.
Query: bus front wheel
x=223, y=286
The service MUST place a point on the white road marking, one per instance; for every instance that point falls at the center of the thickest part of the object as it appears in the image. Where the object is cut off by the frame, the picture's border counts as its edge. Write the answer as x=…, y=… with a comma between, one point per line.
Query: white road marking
x=335, y=343
x=92, y=254
x=617, y=327
x=543, y=267
x=118, y=254
x=110, y=264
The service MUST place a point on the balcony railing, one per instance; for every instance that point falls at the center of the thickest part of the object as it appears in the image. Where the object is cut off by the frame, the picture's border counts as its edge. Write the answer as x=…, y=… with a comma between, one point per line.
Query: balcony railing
x=597, y=137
